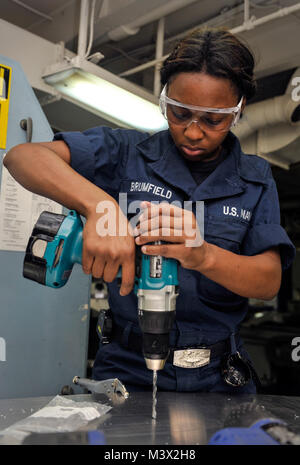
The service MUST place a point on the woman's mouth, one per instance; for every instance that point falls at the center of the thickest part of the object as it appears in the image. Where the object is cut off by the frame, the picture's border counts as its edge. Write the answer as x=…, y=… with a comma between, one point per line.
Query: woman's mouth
x=192, y=151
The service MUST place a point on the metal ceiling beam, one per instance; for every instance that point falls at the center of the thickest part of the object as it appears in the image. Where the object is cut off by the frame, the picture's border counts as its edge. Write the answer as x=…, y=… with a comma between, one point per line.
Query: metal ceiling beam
x=248, y=24
x=32, y=10
x=132, y=14
x=152, y=13
x=64, y=26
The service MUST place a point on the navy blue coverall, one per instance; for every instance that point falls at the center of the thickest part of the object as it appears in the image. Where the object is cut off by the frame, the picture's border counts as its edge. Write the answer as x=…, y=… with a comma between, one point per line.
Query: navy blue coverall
x=241, y=214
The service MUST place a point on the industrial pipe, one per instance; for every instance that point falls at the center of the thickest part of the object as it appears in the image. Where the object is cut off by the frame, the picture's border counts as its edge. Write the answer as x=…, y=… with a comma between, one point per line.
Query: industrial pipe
x=158, y=54
x=125, y=30
x=248, y=24
x=280, y=109
x=252, y=23
x=83, y=28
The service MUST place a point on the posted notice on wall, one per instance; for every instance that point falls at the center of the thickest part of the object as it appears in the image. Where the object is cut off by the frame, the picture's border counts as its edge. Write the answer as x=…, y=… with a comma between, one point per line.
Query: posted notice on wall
x=19, y=211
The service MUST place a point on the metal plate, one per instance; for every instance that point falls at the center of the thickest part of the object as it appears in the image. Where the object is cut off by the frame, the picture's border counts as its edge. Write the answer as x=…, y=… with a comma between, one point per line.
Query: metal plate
x=182, y=418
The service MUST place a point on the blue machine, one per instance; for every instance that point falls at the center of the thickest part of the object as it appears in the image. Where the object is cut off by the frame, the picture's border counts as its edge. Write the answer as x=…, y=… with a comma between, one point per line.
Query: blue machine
x=254, y=435
x=251, y=424
x=43, y=334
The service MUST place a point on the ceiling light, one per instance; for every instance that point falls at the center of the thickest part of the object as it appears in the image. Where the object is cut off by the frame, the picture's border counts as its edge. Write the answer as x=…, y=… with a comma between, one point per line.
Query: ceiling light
x=111, y=97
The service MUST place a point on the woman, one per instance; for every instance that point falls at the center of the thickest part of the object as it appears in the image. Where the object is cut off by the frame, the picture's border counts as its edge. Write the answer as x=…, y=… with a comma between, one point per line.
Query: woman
x=207, y=80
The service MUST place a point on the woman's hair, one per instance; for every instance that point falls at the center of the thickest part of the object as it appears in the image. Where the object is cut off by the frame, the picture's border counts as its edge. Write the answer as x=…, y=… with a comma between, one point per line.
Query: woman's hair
x=216, y=52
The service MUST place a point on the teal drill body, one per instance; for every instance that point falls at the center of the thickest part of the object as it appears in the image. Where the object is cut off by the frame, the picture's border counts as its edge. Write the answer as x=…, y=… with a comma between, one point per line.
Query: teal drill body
x=69, y=239
x=68, y=244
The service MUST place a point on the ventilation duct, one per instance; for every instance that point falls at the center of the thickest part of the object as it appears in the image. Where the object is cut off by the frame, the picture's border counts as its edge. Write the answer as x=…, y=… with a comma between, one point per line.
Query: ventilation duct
x=272, y=125
x=281, y=109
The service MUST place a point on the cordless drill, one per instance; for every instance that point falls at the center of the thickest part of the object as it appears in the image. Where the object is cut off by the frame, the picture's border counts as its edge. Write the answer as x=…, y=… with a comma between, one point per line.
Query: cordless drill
x=55, y=245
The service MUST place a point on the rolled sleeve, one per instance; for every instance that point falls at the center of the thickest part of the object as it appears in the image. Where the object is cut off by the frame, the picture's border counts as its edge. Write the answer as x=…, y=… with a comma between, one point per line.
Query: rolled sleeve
x=98, y=154
x=265, y=230
x=82, y=153
x=262, y=237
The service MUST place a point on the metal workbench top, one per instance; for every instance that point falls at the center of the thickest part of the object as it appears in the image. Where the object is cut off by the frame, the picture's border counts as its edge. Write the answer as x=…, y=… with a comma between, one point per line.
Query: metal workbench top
x=182, y=418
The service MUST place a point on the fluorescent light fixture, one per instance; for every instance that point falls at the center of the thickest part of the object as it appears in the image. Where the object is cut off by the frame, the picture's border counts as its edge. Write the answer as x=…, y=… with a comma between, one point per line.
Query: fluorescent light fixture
x=108, y=99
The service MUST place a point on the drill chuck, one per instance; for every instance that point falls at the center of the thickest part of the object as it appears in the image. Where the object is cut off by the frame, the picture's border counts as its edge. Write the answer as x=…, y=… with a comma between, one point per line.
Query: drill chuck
x=156, y=327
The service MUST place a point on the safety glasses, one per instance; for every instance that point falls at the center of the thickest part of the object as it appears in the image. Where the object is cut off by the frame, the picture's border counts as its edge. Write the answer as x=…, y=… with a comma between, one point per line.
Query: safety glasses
x=210, y=119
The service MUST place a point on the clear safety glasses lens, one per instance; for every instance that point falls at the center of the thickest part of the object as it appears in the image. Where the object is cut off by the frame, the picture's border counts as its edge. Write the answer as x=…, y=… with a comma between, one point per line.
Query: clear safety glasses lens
x=207, y=118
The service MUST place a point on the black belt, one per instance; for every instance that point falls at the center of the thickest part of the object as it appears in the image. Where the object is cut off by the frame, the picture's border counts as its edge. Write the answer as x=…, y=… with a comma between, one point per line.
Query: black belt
x=134, y=341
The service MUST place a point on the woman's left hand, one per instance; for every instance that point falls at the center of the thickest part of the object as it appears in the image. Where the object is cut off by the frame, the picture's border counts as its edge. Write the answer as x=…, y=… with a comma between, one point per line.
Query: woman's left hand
x=176, y=228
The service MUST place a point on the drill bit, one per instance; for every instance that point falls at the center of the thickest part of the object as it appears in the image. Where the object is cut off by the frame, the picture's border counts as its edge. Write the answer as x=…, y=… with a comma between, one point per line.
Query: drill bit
x=154, y=401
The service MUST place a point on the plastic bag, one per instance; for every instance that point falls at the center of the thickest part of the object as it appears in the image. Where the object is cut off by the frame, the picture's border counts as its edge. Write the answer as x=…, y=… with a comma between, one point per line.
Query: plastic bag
x=61, y=414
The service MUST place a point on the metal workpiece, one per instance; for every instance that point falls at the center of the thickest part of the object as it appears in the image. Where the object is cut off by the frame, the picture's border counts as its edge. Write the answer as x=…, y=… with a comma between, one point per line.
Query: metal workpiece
x=190, y=418
x=108, y=387
x=182, y=418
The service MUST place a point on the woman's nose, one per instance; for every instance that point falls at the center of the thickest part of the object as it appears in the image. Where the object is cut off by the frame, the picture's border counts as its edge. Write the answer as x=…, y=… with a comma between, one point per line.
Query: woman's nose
x=193, y=130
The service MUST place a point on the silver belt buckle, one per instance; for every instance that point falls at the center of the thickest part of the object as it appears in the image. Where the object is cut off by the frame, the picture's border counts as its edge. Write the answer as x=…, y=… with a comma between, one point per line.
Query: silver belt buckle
x=191, y=358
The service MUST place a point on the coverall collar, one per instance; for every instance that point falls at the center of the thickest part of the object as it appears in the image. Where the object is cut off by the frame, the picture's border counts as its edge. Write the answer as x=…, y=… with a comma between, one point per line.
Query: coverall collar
x=226, y=180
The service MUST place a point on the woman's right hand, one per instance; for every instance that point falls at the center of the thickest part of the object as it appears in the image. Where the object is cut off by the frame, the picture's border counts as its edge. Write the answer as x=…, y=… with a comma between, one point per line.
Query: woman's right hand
x=108, y=245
